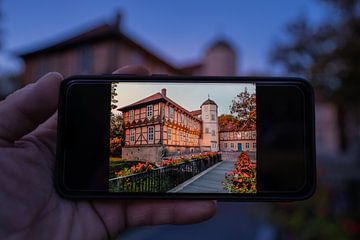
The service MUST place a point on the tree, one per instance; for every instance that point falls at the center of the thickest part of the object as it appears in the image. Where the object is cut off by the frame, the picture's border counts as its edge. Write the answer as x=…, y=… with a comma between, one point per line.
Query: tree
x=244, y=108
x=113, y=96
x=328, y=54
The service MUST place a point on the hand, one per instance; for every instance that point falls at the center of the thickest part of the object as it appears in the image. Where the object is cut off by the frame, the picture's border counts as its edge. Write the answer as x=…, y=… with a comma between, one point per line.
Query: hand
x=30, y=206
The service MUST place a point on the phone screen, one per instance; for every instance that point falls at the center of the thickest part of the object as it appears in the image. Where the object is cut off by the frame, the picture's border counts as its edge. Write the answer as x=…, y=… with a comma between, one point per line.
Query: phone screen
x=183, y=138
x=197, y=137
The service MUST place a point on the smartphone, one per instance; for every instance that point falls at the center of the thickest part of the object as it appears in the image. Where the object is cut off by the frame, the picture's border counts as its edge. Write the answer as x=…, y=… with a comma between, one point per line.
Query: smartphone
x=229, y=138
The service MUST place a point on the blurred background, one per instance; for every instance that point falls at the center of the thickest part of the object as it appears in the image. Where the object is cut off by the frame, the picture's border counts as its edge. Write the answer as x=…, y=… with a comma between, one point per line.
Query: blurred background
x=315, y=39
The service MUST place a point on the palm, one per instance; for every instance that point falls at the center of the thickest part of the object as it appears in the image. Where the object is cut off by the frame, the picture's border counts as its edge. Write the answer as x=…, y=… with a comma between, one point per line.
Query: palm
x=30, y=204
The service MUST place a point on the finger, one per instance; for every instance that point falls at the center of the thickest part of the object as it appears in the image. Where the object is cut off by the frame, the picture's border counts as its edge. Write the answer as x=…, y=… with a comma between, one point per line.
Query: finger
x=24, y=110
x=117, y=216
x=169, y=212
x=137, y=70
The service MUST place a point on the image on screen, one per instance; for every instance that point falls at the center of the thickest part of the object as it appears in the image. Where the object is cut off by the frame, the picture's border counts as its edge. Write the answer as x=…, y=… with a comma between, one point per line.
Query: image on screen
x=182, y=138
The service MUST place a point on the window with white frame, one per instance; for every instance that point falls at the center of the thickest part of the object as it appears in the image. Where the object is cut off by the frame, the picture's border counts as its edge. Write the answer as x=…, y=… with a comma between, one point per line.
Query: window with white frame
x=247, y=145
x=186, y=137
x=131, y=115
x=149, y=111
x=171, y=112
x=169, y=134
x=151, y=133
x=132, y=135
x=232, y=145
x=254, y=145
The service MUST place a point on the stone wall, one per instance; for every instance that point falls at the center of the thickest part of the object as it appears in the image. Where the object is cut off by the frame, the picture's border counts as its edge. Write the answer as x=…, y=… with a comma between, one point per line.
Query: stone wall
x=143, y=153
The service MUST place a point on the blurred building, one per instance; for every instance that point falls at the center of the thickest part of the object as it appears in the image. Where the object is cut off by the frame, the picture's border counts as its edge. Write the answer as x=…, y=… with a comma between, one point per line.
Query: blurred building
x=106, y=47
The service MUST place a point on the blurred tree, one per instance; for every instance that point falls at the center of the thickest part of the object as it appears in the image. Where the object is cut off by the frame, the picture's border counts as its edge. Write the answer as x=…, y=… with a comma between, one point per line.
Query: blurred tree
x=328, y=54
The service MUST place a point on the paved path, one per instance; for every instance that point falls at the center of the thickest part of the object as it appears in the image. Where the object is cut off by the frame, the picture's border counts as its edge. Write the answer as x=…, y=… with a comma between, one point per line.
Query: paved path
x=211, y=181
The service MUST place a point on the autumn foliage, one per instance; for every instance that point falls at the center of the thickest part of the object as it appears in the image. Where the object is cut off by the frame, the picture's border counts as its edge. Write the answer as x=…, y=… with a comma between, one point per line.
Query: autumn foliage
x=243, y=178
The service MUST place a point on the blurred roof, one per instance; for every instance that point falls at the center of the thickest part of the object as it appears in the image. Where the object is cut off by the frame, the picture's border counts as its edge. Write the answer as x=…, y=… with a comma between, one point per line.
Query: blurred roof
x=100, y=32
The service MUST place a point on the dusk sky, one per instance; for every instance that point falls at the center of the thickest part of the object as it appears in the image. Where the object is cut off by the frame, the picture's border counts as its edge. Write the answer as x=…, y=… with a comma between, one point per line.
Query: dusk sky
x=176, y=30
x=189, y=96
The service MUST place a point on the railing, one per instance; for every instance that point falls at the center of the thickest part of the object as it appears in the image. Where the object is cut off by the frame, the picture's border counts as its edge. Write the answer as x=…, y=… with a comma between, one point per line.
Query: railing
x=162, y=179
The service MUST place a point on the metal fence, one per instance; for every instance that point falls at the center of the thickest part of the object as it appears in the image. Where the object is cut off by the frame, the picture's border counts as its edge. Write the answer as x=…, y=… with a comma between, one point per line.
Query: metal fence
x=162, y=179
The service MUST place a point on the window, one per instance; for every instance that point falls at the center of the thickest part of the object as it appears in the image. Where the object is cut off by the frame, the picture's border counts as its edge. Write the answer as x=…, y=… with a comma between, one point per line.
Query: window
x=225, y=145
x=182, y=119
x=132, y=135
x=85, y=63
x=169, y=134
x=186, y=137
x=206, y=116
x=150, y=133
x=131, y=115
x=149, y=111
x=171, y=112
x=232, y=145
x=247, y=145
x=212, y=117
x=181, y=137
x=213, y=132
x=254, y=145
x=206, y=130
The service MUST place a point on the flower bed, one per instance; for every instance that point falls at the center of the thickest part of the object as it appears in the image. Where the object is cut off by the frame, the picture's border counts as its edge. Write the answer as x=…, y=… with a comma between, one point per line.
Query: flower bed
x=243, y=178
x=174, y=161
x=147, y=166
x=138, y=168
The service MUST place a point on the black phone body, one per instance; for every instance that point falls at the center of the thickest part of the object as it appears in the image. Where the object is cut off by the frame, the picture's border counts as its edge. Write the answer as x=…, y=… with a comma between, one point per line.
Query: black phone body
x=186, y=137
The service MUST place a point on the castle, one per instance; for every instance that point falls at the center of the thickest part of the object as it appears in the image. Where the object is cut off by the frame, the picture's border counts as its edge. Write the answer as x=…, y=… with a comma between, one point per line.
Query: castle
x=157, y=127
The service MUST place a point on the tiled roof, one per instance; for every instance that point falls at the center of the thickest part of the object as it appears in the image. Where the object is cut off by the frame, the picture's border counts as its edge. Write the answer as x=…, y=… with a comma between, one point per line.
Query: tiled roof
x=155, y=97
x=196, y=112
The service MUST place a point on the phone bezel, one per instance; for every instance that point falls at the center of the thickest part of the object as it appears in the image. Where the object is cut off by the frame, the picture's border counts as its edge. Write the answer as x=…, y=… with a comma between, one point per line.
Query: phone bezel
x=260, y=81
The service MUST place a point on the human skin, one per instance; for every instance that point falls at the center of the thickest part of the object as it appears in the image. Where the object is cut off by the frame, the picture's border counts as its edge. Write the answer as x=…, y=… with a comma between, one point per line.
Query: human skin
x=30, y=206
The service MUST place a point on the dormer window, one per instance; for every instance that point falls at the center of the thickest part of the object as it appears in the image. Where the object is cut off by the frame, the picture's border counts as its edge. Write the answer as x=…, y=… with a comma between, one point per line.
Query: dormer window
x=149, y=111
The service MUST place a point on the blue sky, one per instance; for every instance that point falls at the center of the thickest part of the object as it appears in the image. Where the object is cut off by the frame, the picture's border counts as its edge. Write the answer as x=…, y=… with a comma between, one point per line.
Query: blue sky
x=178, y=30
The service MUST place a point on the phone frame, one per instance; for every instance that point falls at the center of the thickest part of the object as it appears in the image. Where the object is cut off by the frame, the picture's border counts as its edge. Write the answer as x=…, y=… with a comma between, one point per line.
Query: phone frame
x=260, y=81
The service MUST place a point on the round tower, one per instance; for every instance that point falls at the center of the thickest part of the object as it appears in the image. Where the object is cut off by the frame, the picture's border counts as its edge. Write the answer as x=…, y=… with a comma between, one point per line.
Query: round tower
x=220, y=59
x=210, y=126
